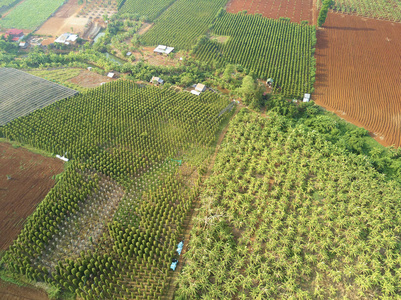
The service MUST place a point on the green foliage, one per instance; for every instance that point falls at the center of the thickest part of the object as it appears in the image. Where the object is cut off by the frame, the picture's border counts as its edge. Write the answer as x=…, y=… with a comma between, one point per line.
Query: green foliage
x=270, y=48
x=378, y=9
x=182, y=24
x=30, y=14
x=145, y=8
x=323, y=12
x=251, y=93
x=287, y=214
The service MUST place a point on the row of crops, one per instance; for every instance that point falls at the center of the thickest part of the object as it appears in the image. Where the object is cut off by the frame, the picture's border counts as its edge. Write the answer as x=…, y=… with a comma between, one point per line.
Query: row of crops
x=60, y=76
x=110, y=226
x=144, y=8
x=288, y=215
x=270, y=48
x=30, y=14
x=182, y=24
x=379, y=9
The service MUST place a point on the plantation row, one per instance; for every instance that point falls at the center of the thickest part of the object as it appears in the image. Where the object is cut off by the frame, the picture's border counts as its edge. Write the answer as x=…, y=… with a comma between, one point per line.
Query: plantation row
x=183, y=23
x=110, y=226
x=287, y=214
x=270, y=48
x=143, y=8
x=379, y=9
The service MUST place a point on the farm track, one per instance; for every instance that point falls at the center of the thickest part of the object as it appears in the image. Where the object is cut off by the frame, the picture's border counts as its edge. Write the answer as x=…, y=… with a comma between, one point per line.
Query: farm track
x=189, y=222
x=358, y=65
x=296, y=10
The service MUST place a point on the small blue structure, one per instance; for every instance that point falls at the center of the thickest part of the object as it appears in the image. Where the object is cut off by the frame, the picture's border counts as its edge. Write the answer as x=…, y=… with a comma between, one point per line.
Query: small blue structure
x=179, y=247
x=174, y=264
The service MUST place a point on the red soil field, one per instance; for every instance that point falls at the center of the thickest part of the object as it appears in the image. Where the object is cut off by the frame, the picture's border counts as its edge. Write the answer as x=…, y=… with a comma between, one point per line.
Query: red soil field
x=13, y=292
x=358, y=75
x=296, y=10
x=30, y=180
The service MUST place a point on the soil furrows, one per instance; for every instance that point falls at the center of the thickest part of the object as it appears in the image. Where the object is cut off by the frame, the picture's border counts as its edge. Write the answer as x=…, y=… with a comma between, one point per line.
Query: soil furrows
x=296, y=10
x=358, y=65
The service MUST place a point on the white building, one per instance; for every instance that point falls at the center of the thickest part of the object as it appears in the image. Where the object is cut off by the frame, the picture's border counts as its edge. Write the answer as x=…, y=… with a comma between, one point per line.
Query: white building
x=161, y=49
x=200, y=87
x=66, y=38
x=157, y=80
x=306, y=98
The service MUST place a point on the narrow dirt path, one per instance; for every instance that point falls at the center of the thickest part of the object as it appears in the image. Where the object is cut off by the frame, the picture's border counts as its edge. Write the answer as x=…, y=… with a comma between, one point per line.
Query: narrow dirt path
x=188, y=224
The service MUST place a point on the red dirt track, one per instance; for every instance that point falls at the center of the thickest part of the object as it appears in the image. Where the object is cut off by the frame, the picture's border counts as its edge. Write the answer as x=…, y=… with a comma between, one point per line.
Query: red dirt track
x=296, y=10
x=30, y=182
x=358, y=74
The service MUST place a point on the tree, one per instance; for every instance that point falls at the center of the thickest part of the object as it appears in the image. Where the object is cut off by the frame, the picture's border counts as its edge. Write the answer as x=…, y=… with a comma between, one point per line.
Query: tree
x=323, y=12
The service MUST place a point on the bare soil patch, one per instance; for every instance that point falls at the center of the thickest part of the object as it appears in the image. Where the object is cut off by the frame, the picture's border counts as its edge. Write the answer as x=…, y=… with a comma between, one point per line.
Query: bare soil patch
x=358, y=74
x=13, y=292
x=64, y=19
x=25, y=179
x=144, y=28
x=147, y=55
x=220, y=38
x=90, y=79
x=296, y=10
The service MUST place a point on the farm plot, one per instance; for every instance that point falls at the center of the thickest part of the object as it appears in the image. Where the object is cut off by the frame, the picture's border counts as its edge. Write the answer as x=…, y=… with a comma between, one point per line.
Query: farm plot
x=358, y=73
x=272, y=49
x=30, y=14
x=378, y=9
x=110, y=226
x=63, y=20
x=61, y=76
x=145, y=8
x=288, y=215
x=296, y=10
x=22, y=93
x=181, y=24
x=25, y=179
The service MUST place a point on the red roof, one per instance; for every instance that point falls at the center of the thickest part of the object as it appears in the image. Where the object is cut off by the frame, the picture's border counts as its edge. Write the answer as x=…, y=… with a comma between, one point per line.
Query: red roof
x=14, y=39
x=17, y=32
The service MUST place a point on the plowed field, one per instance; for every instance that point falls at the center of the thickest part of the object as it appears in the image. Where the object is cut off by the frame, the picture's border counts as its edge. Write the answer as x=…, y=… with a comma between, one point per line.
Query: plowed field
x=296, y=10
x=25, y=179
x=359, y=73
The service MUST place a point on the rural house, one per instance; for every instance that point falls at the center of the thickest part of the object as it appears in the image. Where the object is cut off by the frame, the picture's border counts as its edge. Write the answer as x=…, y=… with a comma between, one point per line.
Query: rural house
x=157, y=80
x=200, y=88
x=16, y=34
x=66, y=38
x=161, y=49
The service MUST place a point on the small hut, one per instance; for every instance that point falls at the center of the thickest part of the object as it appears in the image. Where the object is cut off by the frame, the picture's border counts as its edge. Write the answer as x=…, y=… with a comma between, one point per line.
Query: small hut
x=270, y=82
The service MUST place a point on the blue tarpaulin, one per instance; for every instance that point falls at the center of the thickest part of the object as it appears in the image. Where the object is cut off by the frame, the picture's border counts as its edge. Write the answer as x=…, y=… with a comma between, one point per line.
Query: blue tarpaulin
x=179, y=247
x=173, y=265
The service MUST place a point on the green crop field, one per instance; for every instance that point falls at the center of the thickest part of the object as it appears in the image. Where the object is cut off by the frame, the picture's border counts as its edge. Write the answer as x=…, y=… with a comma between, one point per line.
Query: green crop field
x=110, y=226
x=271, y=48
x=144, y=8
x=288, y=215
x=30, y=14
x=6, y=2
x=183, y=23
x=378, y=9
x=60, y=76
